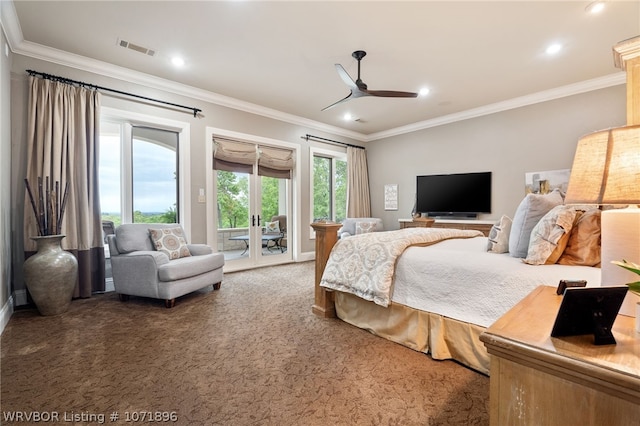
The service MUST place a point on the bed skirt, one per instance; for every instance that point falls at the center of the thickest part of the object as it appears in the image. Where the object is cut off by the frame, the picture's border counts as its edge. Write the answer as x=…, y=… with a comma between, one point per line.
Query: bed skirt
x=441, y=337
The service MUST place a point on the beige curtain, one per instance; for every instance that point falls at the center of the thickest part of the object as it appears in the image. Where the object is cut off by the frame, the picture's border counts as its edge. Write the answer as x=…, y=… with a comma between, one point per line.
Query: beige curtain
x=358, y=198
x=62, y=133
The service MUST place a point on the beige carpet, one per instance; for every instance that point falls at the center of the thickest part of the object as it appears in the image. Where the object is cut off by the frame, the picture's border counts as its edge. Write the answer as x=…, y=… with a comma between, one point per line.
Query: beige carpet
x=249, y=354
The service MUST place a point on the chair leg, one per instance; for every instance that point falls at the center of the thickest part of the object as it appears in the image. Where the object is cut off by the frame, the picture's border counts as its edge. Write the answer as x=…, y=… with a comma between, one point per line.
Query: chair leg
x=169, y=303
x=123, y=297
x=216, y=286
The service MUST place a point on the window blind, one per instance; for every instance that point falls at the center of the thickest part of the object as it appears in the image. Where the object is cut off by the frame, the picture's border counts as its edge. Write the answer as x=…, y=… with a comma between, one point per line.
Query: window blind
x=238, y=156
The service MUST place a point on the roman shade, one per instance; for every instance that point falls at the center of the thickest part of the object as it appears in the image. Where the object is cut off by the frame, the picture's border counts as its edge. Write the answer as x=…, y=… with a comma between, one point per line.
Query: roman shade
x=234, y=156
x=237, y=156
x=275, y=162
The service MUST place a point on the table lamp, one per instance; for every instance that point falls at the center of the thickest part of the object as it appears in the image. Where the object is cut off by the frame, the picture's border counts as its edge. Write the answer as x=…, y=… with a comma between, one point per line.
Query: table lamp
x=606, y=172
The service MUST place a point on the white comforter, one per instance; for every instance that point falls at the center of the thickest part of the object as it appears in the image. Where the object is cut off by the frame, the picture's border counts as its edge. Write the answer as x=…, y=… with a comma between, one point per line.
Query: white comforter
x=459, y=279
x=364, y=264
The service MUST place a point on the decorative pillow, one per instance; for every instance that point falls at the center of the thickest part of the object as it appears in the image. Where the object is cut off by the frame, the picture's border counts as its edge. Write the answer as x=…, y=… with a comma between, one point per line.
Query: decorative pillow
x=170, y=241
x=364, y=227
x=583, y=247
x=531, y=209
x=499, y=236
x=272, y=227
x=550, y=236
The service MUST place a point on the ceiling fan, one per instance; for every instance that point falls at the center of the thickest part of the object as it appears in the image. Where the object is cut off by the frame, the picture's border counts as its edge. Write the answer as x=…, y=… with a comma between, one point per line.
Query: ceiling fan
x=359, y=88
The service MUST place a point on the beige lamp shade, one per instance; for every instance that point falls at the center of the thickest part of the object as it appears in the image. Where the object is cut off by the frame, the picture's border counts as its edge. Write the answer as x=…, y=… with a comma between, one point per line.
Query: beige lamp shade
x=606, y=168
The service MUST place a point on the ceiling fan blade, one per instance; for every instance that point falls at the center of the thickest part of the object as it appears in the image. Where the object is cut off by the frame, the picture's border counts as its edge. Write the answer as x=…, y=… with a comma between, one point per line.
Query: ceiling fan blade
x=359, y=89
x=344, y=75
x=346, y=98
x=392, y=94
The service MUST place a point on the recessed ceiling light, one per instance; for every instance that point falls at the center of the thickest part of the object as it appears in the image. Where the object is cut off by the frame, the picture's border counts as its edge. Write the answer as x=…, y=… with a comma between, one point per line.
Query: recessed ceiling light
x=595, y=7
x=177, y=61
x=554, y=48
x=347, y=116
x=424, y=91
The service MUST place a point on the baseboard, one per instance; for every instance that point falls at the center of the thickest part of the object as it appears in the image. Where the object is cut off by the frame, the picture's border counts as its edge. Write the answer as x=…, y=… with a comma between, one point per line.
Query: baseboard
x=21, y=297
x=303, y=257
x=5, y=314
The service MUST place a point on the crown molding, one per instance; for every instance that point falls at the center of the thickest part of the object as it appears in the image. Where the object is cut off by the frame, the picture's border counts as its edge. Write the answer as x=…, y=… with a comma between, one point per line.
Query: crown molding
x=17, y=44
x=106, y=69
x=534, y=98
x=10, y=24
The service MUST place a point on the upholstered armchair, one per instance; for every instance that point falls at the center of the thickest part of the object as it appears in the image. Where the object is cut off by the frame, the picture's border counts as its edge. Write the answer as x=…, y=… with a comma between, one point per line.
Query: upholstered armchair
x=154, y=260
x=360, y=225
x=281, y=230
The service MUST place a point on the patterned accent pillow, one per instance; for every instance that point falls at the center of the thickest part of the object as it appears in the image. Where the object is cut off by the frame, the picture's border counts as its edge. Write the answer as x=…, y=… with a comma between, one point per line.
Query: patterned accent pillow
x=272, y=227
x=365, y=226
x=499, y=236
x=583, y=247
x=170, y=241
x=550, y=236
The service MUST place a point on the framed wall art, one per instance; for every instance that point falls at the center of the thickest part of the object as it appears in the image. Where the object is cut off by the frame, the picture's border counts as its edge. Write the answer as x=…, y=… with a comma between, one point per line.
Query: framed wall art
x=391, y=197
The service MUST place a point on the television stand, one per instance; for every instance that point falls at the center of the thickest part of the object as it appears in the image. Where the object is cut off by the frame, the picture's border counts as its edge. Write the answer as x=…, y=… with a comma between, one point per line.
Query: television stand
x=483, y=226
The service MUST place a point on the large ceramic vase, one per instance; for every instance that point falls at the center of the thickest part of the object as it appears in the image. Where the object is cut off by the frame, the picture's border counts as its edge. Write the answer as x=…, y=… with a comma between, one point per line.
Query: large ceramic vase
x=50, y=275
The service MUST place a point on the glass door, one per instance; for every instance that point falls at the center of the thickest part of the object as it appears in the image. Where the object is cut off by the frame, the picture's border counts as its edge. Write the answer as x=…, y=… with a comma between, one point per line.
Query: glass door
x=252, y=218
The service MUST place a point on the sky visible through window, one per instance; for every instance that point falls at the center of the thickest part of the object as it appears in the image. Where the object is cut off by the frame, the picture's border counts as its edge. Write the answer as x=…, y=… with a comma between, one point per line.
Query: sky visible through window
x=153, y=176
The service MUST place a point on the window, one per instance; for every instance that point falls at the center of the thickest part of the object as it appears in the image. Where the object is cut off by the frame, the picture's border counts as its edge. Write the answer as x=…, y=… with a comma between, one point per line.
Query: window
x=139, y=173
x=329, y=186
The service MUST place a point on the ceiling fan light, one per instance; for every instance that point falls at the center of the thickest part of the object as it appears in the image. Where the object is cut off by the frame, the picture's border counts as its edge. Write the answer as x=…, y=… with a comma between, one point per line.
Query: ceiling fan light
x=424, y=91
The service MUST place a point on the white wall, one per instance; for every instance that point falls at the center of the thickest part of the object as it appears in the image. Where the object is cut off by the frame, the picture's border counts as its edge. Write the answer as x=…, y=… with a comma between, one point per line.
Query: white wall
x=509, y=144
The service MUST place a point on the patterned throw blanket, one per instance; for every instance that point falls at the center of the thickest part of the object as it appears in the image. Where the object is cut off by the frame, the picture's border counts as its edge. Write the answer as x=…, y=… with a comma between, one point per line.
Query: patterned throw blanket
x=364, y=264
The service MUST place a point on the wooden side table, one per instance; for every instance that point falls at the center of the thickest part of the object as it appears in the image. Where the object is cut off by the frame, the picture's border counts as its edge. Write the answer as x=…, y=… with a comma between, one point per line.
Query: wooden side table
x=543, y=380
x=416, y=223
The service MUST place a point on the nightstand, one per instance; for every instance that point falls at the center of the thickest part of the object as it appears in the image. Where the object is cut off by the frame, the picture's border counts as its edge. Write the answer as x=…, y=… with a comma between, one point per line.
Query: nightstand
x=539, y=379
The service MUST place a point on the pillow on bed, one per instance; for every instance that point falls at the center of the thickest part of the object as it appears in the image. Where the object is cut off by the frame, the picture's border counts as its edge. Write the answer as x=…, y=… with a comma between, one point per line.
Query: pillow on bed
x=531, y=209
x=365, y=226
x=550, y=236
x=583, y=247
x=499, y=236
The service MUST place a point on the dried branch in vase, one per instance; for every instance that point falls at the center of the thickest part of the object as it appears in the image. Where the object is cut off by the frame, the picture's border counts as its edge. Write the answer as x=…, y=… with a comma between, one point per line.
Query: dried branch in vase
x=48, y=208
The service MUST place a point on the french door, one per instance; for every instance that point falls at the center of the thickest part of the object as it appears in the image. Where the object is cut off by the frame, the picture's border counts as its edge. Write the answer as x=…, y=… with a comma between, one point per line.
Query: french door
x=253, y=215
x=251, y=183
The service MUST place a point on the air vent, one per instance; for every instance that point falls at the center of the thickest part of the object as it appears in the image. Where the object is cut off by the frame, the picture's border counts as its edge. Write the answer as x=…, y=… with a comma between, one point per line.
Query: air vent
x=136, y=47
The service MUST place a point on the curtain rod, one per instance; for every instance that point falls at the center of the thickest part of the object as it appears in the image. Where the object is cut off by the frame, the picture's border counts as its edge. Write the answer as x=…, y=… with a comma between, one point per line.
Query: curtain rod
x=93, y=86
x=319, y=139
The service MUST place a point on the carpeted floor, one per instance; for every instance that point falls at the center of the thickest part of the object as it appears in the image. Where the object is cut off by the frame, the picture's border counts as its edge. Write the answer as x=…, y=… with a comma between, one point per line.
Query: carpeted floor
x=249, y=354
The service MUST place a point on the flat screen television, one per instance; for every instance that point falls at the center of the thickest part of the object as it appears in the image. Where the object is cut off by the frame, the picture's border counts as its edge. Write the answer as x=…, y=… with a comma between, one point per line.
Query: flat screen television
x=454, y=195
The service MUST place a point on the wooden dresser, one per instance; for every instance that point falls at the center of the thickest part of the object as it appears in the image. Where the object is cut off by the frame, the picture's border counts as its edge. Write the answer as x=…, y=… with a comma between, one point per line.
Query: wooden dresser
x=483, y=226
x=543, y=380
x=416, y=223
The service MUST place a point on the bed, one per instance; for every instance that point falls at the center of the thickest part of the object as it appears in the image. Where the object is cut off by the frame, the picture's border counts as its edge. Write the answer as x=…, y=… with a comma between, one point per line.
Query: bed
x=443, y=294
